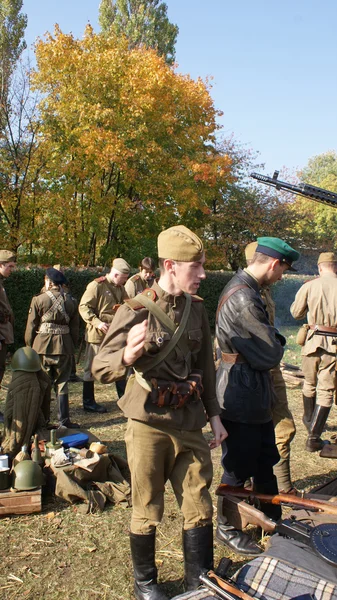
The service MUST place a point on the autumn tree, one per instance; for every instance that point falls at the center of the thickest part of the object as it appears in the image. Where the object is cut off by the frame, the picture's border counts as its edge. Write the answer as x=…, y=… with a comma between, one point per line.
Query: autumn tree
x=131, y=145
x=12, y=28
x=316, y=224
x=144, y=22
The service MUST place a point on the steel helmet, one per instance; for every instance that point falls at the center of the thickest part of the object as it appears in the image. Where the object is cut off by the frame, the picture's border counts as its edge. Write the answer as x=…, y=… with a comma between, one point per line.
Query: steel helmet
x=26, y=359
x=27, y=475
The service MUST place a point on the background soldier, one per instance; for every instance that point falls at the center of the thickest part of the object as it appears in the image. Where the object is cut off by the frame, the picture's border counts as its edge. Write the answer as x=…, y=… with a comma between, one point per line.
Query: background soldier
x=318, y=300
x=282, y=418
x=142, y=280
x=166, y=400
x=98, y=307
x=7, y=265
x=52, y=330
x=250, y=347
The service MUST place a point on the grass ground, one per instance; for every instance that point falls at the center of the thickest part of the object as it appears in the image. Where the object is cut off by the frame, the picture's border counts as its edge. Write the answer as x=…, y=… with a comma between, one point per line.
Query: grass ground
x=62, y=554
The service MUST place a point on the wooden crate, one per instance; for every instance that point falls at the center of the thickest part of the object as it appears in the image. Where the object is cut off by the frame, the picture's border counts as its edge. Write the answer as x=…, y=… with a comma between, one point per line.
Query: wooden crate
x=20, y=503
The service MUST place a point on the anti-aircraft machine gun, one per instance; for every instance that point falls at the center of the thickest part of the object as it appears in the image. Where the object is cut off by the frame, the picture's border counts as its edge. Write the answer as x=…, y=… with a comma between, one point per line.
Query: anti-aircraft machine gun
x=302, y=189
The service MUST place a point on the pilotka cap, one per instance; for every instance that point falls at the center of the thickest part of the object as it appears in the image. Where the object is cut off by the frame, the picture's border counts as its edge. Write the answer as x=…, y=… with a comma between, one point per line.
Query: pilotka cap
x=121, y=265
x=250, y=250
x=180, y=243
x=327, y=257
x=276, y=248
x=7, y=256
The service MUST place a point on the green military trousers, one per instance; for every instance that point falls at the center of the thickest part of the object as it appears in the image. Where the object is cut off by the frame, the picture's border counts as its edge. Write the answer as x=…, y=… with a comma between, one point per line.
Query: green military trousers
x=157, y=454
x=282, y=418
x=319, y=369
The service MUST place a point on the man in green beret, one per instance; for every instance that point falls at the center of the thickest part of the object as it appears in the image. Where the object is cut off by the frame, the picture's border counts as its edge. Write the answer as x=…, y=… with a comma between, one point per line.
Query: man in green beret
x=250, y=347
x=97, y=308
x=282, y=418
x=164, y=335
x=7, y=266
x=317, y=299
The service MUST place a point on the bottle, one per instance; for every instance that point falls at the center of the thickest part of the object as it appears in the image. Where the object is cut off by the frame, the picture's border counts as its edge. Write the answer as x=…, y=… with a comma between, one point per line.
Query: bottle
x=36, y=452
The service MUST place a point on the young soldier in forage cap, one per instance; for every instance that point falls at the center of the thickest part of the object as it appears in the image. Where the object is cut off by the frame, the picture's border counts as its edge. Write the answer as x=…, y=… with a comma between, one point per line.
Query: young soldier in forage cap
x=7, y=265
x=250, y=346
x=317, y=299
x=164, y=335
x=98, y=307
x=282, y=418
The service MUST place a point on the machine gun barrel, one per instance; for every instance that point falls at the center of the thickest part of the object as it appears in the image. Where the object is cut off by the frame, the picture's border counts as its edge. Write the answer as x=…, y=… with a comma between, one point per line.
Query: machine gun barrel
x=302, y=189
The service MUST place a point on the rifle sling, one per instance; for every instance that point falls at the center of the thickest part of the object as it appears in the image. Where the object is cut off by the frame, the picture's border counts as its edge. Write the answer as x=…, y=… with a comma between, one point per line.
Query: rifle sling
x=162, y=317
x=228, y=295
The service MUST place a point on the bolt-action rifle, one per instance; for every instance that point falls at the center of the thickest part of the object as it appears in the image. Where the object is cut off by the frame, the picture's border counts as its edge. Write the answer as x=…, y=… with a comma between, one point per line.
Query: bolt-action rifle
x=302, y=189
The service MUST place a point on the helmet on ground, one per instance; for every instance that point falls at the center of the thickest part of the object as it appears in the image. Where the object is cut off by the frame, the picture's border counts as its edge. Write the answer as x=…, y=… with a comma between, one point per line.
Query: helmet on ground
x=27, y=475
x=26, y=359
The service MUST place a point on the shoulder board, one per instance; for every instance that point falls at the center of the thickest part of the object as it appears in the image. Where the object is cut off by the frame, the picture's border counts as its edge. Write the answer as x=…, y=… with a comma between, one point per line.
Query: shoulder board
x=197, y=299
x=133, y=302
x=150, y=293
x=135, y=277
x=100, y=279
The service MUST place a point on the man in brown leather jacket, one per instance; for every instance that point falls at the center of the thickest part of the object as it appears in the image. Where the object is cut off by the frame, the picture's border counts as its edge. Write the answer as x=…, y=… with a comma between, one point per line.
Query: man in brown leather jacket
x=98, y=307
x=7, y=265
x=52, y=331
x=164, y=335
x=317, y=299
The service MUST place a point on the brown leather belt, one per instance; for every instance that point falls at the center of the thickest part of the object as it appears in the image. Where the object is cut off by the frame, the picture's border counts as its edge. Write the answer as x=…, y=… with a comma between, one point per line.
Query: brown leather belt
x=233, y=359
x=323, y=328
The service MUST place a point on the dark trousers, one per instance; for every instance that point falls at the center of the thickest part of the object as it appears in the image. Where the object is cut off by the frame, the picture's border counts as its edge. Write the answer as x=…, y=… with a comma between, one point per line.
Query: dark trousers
x=249, y=451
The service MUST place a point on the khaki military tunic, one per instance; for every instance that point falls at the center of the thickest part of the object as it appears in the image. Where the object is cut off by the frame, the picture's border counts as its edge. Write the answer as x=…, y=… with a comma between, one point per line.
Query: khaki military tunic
x=136, y=285
x=164, y=443
x=99, y=304
x=317, y=300
x=6, y=327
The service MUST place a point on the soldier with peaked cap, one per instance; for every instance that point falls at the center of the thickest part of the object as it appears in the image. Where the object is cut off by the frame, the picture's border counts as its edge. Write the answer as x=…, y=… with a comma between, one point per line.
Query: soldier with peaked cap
x=52, y=331
x=98, y=307
x=142, y=280
x=7, y=265
x=250, y=346
x=164, y=335
x=317, y=300
x=282, y=418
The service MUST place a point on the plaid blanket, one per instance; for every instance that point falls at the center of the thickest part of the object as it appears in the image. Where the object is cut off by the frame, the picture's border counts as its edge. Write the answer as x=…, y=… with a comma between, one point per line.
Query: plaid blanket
x=269, y=578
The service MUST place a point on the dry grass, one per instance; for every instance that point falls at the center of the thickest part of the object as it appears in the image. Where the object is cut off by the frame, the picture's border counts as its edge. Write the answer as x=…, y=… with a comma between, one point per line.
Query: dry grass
x=62, y=554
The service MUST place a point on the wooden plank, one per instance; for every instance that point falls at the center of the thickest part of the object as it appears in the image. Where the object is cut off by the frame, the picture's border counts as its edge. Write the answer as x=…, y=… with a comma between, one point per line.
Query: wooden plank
x=20, y=503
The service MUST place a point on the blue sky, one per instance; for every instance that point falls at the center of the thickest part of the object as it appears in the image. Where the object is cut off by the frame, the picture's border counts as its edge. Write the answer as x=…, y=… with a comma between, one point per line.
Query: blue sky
x=273, y=66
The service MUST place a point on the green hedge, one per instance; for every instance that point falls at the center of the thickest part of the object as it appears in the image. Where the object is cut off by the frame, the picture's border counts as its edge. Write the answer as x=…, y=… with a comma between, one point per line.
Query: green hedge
x=23, y=284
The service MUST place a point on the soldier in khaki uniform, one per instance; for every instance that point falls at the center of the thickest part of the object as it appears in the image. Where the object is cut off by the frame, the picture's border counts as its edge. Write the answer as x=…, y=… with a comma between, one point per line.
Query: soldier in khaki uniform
x=7, y=265
x=98, y=307
x=282, y=418
x=317, y=299
x=142, y=280
x=52, y=331
x=167, y=399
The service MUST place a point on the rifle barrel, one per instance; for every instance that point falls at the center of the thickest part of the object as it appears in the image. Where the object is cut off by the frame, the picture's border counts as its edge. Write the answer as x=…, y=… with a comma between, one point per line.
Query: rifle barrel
x=302, y=189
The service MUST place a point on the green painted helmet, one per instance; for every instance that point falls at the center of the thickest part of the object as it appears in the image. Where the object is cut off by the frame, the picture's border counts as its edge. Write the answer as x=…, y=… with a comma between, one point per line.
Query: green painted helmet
x=27, y=475
x=26, y=359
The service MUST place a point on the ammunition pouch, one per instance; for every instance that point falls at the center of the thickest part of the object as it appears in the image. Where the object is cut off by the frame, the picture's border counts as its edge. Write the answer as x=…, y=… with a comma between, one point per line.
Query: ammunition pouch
x=302, y=334
x=176, y=394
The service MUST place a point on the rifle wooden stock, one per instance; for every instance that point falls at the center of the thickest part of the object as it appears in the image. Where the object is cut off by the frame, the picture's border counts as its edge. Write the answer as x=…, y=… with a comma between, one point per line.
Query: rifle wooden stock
x=240, y=514
x=223, y=588
x=304, y=503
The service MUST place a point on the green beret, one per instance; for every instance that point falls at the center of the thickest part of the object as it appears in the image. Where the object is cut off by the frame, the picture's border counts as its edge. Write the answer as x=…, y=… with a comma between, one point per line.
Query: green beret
x=276, y=248
x=180, y=243
x=329, y=257
x=121, y=265
x=7, y=256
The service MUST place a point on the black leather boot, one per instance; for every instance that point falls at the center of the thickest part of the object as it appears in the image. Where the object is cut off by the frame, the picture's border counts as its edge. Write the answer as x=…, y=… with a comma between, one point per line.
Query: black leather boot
x=63, y=412
x=144, y=567
x=198, y=554
x=273, y=511
x=308, y=410
x=314, y=442
x=89, y=402
x=235, y=539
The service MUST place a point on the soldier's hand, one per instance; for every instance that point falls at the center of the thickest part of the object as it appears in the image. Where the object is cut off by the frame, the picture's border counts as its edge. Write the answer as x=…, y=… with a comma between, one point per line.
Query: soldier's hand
x=219, y=432
x=103, y=327
x=135, y=343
